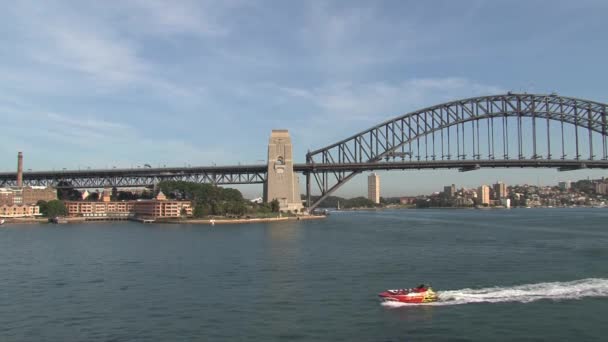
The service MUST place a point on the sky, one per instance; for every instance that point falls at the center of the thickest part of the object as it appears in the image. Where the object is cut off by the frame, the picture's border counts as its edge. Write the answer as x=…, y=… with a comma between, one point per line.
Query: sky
x=126, y=83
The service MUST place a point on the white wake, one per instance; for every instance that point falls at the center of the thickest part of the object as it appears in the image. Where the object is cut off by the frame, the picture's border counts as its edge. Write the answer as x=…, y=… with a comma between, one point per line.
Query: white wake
x=591, y=287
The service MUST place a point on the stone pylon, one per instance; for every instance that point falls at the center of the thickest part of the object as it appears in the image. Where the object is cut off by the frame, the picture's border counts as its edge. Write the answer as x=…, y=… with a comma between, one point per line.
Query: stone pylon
x=281, y=182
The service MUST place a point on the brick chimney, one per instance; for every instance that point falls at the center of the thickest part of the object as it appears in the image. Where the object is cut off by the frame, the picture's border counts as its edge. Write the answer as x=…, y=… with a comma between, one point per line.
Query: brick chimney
x=20, y=169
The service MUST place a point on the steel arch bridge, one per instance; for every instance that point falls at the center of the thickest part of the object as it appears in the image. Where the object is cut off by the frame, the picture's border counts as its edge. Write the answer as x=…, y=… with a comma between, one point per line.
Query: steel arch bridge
x=509, y=130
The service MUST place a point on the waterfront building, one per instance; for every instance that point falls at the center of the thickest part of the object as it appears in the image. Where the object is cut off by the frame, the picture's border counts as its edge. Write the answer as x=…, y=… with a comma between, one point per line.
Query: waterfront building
x=373, y=188
x=159, y=207
x=100, y=209
x=19, y=210
x=500, y=191
x=483, y=195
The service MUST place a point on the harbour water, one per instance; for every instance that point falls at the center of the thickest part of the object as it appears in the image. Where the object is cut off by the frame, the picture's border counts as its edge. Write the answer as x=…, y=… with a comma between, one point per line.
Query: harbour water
x=520, y=274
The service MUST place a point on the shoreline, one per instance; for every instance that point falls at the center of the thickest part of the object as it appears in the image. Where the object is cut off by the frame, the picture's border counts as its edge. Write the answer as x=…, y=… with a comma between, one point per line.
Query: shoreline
x=69, y=220
x=466, y=208
x=240, y=221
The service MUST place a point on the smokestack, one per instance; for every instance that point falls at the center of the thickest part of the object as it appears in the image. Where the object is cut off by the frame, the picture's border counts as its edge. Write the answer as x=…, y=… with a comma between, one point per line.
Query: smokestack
x=19, y=169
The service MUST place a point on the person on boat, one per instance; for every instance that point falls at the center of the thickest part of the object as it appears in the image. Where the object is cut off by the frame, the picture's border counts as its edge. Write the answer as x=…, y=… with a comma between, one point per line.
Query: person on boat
x=420, y=288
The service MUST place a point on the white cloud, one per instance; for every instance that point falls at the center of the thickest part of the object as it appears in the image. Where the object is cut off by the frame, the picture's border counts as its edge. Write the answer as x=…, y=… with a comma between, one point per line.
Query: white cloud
x=57, y=140
x=94, y=49
x=354, y=107
x=99, y=55
x=354, y=37
x=174, y=17
x=370, y=101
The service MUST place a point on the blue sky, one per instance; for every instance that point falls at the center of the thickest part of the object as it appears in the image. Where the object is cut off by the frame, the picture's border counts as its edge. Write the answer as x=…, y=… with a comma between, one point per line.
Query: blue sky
x=123, y=83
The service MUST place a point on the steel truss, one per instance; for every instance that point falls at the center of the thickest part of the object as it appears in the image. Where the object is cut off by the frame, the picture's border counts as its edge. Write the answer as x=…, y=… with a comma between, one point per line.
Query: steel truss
x=473, y=132
x=126, y=178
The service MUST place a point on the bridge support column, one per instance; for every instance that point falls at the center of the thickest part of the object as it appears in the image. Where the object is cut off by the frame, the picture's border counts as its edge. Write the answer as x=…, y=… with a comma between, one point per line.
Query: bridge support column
x=308, y=190
x=281, y=182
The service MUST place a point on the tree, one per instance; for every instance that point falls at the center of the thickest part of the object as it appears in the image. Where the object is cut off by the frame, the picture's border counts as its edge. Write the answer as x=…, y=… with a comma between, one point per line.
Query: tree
x=65, y=191
x=55, y=208
x=42, y=206
x=275, y=206
x=201, y=210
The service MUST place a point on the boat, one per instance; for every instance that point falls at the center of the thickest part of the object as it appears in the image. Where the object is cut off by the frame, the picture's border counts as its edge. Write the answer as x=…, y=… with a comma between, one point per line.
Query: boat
x=417, y=295
x=1, y=222
x=58, y=220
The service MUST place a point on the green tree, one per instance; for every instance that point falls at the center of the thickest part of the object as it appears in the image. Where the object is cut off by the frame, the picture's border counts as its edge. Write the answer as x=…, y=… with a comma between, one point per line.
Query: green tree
x=201, y=210
x=275, y=206
x=42, y=206
x=55, y=208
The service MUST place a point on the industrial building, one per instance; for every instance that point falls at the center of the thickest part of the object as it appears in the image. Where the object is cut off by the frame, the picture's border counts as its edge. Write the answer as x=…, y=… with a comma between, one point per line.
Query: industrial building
x=20, y=201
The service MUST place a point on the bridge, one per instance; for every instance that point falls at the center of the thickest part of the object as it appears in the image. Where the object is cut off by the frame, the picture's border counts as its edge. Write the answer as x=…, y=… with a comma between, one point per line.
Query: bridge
x=497, y=131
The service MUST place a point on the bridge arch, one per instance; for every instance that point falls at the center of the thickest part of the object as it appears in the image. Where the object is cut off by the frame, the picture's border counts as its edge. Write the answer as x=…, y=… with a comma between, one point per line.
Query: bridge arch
x=394, y=139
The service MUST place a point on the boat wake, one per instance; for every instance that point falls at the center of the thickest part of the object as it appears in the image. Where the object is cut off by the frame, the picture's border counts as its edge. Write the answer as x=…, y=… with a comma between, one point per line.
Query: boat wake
x=590, y=287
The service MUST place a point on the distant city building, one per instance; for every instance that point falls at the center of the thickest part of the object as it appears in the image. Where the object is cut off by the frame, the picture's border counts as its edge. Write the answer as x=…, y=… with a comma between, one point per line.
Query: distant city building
x=373, y=188
x=407, y=200
x=463, y=202
x=483, y=195
x=500, y=191
x=564, y=186
x=601, y=188
x=506, y=202
x=449, y=191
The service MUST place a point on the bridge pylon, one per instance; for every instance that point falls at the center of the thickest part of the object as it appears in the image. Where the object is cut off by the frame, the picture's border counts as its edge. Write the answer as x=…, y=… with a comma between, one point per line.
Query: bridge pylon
x=282, y=182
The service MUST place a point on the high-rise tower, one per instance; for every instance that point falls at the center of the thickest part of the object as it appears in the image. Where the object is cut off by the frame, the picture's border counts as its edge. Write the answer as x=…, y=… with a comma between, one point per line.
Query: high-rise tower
x=373, y=188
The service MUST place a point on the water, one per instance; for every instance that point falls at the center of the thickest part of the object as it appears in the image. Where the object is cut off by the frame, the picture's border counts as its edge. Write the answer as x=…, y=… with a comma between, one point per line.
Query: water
x=521, y=274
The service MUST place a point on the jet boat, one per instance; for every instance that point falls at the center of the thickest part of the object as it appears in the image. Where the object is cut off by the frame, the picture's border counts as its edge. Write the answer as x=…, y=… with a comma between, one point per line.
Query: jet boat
x=419, y=294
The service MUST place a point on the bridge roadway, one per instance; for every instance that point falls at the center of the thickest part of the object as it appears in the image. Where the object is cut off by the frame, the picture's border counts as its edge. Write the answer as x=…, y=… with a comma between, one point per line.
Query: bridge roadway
x=256, y=174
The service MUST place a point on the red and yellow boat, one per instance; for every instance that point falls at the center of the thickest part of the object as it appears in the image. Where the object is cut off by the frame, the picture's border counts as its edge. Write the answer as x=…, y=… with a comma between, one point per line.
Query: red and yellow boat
x=417, y=295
